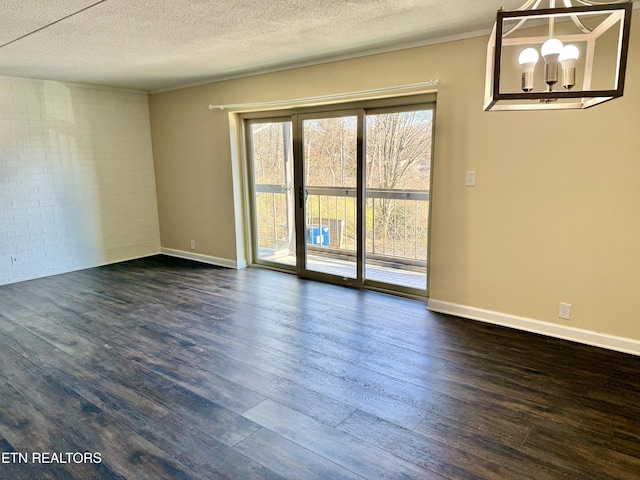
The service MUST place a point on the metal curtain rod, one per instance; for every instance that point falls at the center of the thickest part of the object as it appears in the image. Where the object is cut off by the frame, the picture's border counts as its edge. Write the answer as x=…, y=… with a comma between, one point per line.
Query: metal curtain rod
x=337, y=96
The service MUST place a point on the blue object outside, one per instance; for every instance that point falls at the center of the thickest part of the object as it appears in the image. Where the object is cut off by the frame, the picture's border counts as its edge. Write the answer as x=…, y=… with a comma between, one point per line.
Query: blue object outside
x=318, y=235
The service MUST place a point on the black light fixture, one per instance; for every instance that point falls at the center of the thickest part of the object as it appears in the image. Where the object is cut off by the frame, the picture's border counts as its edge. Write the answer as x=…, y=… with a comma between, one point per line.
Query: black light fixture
x=584, y=49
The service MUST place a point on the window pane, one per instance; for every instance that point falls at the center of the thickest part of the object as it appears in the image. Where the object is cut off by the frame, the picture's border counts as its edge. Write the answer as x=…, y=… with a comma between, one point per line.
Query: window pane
x=398, y=168
x=273, y=186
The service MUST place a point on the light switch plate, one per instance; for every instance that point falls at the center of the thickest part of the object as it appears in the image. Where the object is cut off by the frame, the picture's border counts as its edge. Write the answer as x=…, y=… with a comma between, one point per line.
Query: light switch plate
x=470, y=178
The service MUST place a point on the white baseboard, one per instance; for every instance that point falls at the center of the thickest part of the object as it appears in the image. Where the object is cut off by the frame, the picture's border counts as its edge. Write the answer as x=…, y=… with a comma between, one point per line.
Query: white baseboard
x=588, y=337
x=220, y=262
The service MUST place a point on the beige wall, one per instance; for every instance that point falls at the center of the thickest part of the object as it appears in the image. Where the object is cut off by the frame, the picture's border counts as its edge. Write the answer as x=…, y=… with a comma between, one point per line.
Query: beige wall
x=554, y=215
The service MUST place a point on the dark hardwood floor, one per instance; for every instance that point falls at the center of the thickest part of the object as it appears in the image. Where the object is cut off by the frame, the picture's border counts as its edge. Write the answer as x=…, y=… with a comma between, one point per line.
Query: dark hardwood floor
x=170, y=369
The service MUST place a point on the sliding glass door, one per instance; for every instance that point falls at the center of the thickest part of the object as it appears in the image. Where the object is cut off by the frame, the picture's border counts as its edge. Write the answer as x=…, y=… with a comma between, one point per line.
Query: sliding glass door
x=343, y=196
x=328, y=190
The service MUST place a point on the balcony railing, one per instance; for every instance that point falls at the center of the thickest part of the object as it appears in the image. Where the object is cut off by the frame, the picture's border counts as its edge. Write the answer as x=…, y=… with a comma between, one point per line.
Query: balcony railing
x=396, y=222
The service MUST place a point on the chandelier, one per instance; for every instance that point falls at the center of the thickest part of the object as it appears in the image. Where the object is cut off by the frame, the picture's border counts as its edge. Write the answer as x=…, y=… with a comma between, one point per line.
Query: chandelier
x=583, y=47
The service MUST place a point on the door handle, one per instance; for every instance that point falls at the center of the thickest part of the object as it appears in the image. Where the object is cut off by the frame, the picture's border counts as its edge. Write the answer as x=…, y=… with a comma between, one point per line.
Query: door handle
x=302, y=196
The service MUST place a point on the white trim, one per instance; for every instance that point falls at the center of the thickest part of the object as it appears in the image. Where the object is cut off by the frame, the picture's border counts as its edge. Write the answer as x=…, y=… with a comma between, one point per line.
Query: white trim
x=198, y=257
x=588, y=337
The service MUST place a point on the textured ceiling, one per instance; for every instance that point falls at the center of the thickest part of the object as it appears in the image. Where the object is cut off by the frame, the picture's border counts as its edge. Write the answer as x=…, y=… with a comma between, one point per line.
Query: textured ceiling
x=161, y=44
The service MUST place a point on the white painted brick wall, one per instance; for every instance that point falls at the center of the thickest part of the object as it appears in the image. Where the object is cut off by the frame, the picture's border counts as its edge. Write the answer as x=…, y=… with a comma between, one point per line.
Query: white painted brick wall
x=77, y=185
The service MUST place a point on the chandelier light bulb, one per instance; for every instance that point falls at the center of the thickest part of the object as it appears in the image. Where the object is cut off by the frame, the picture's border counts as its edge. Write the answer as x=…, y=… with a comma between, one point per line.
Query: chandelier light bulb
x=551, y=51
x=527, y=60
x=528, y=55
x=553, y=46
x=568, y=57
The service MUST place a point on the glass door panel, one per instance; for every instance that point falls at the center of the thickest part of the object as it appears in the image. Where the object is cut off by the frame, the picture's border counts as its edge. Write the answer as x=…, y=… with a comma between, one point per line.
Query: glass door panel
x=398, y=167
x=330, y=167
x=273, y=200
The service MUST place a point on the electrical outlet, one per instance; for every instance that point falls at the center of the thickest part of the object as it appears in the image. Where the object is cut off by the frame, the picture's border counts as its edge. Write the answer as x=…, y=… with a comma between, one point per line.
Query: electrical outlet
x=193, y=244
x=564, y=311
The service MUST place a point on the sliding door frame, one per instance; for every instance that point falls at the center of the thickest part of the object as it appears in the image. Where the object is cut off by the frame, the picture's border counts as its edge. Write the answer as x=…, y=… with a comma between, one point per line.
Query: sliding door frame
x=296, y=115
x=301, y=187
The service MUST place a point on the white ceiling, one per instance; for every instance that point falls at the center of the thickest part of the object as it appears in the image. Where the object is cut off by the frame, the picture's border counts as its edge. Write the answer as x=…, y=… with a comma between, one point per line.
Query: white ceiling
x=155, y=45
